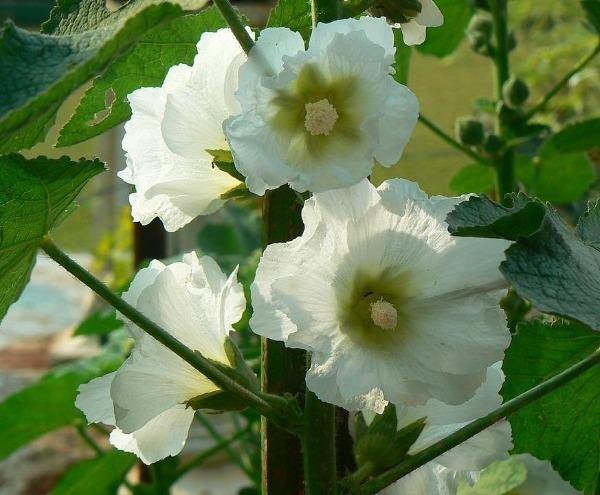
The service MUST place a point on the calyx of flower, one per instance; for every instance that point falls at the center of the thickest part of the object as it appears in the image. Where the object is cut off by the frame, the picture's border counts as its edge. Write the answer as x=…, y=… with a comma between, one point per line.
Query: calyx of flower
x=320, y=118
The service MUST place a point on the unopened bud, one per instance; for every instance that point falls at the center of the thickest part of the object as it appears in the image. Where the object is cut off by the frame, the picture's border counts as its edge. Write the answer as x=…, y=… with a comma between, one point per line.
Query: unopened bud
x=479, y=34
x=515, y=92
x=469, y=131
x=493, y=143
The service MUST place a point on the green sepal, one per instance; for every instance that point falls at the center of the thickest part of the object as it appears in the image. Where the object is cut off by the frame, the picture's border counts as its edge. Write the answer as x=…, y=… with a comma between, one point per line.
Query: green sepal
x=221, y=155
x=381, y=443
x=217, y=401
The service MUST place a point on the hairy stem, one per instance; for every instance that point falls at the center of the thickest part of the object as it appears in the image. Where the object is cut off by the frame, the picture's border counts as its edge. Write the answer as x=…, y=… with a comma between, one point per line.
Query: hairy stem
x=282, y=370
x=195, y=359
x=451, y=141
x=235, y=24
x=541, y=105
x=504, y=163
x=423, y=457
x=318, y=447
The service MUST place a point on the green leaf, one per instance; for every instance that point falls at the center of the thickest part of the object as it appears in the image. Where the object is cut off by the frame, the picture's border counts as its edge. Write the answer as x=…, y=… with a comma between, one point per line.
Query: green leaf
x=105, y=105
x=294, y=14
x=556, y=271
x=481, y=217
x=473, y=178
x=401, y=58
x=100, y=476
x=38, y=71
x=563, y=426
x=555, y=176
x=443, y=40
x=50, y=403
x=588, y=228
x=581, y=136
x=380, y=443
x=34, y=197
x=592, y=9
x=100, y=322
x=499, y=478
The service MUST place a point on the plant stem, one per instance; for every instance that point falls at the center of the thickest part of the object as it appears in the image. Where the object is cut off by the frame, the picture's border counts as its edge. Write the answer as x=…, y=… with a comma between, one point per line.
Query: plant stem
x=318, y=447
x=234, y=456
x=194, y=358
x=235, y=24
x=423, y=457
x=451, y=141
x=560, y=84
x=87, y=438
x=504, y=163
x=282, y=370
x=200, y=458
x=325, y=11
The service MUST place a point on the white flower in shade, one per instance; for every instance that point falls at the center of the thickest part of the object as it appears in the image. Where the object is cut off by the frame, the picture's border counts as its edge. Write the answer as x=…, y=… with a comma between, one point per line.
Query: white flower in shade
x=172, y=127
x=464, y=462
x=147, y=397
x=392, y=307
x=417, y=20
x=542, y=479
x=318, y=118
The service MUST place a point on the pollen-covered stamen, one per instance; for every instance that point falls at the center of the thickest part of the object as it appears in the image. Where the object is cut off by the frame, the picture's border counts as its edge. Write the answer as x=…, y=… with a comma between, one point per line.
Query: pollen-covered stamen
x=384, y=314
x=320, y=118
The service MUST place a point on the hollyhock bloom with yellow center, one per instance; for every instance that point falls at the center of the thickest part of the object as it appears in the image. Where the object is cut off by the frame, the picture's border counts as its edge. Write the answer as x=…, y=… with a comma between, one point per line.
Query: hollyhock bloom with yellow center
x=171, y=130
x=392, y=307
x=318, y=118
x=464, y=462
x=148, y=397
x=418, y=15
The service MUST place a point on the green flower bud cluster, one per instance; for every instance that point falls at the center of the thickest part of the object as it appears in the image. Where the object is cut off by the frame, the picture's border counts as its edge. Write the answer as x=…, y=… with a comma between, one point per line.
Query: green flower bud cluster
x=470, y=131
x=515, y=92
x=480, y=33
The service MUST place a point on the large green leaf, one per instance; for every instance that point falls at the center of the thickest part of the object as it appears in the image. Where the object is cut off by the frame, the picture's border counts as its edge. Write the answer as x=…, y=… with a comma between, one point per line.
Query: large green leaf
x=294, y=14
x=556, y=176
x=104, y=105
x=442, y=41
x=548, y=264
x=473, y=178
x=482, y=217
x=100, y=476
x=50, y=403
x=34, y=196
x=577, y=137
x=38, y=71
x=563, y=426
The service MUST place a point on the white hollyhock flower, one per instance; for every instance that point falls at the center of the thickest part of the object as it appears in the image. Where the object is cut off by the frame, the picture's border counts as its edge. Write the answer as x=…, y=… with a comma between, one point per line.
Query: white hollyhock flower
x=371, y=257
x=172, y=127
x=464, y=462
x=542, y=479
x=417, y=21
x=318, y=118
x=147, y=397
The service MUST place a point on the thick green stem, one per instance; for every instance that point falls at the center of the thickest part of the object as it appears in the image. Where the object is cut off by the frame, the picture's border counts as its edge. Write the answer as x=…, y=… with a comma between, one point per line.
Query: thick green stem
x=235, y=24
x=541, y=105
x=198, y=361
x=504, y=163
x=451, y=141
x=282, y=370
x=426, y=455
x=318, y=447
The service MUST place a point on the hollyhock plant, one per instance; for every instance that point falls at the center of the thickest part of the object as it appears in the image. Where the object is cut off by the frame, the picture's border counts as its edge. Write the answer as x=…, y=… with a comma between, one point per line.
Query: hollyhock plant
x=319, y=118
x=171, y=130
x=380, y=293
x=148, y=397
x=416, y=17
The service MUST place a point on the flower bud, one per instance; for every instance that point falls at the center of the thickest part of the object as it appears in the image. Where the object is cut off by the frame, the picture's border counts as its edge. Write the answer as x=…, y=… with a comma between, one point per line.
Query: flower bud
x=512, y=41
x=469, y=131
x=479, y=33
x=515, y=92
x=481, y=4
x=493, y=143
